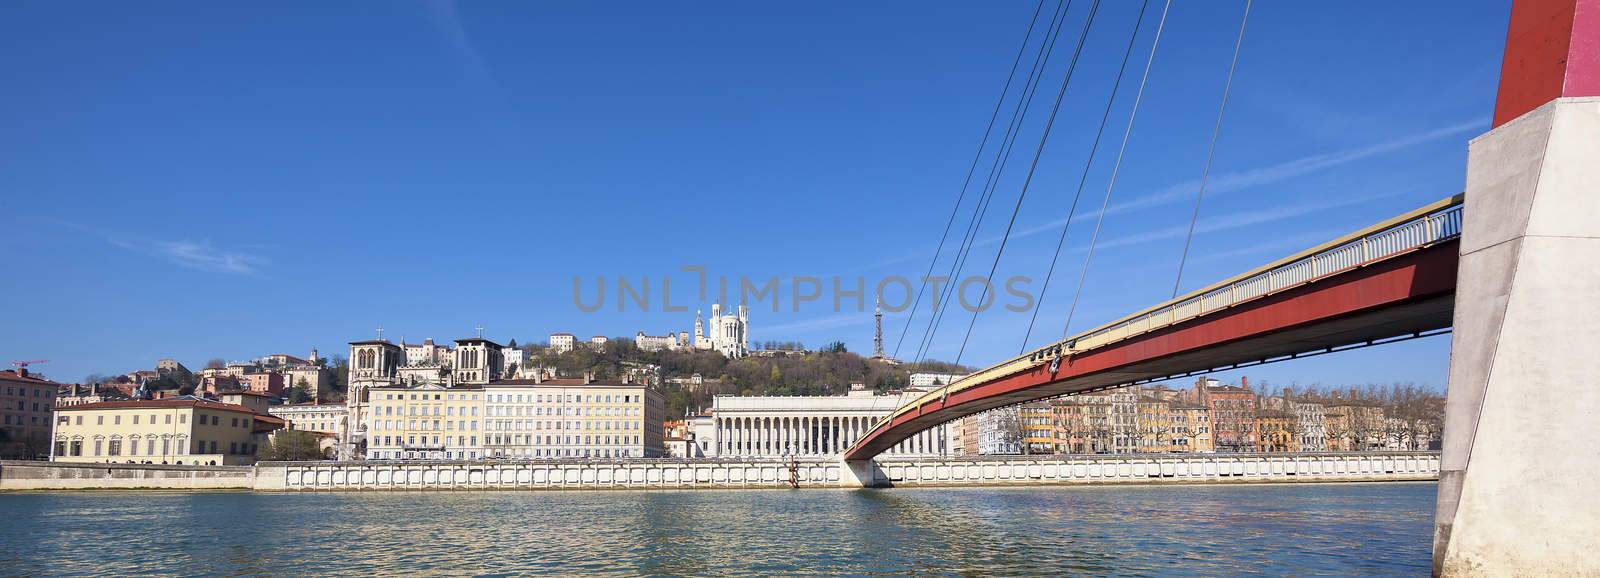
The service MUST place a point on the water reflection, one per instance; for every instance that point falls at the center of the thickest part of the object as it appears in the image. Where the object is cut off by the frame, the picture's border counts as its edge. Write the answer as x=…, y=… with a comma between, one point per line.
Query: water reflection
x=1339, y=529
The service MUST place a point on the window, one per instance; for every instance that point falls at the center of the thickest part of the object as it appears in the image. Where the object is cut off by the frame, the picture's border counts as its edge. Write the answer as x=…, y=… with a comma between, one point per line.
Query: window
x=77, y=447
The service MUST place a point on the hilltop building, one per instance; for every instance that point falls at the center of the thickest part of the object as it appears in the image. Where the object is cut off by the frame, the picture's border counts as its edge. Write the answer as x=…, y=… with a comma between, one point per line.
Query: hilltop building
x=729, y=334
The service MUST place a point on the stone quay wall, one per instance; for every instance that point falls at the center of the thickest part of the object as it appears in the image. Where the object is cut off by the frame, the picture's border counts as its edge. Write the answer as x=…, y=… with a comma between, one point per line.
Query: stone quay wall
x=976, y=471
x=26, y=475
x=727, y=473
x=1157, y=468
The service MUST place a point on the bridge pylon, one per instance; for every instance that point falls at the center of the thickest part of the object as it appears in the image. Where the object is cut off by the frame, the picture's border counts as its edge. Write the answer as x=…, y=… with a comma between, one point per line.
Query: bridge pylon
x=1516, y=494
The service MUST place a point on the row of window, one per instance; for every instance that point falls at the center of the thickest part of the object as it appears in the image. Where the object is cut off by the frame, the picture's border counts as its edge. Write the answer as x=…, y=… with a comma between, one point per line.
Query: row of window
x=62, y=419
x=515, y=453
x=14, y=391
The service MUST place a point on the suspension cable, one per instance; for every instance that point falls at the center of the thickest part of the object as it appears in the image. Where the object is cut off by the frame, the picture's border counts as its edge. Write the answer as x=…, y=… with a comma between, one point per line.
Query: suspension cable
x=1215, y=132
x=1027, y=181
x=976, y=157
x=1116, y=168
x=1002, y=158
x=1044, y=291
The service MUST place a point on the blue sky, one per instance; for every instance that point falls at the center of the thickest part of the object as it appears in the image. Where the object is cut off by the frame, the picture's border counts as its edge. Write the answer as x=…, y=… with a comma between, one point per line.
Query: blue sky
x=198, y=180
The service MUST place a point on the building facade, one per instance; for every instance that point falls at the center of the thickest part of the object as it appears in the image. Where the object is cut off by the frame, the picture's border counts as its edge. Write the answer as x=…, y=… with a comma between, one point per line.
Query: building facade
x=728, y=334
x=26, y=402
x=779, y=426
x=925, y=380
x=428, y=422
x=328, y=418
x=185, y=430
x=517, y=419
x=563, y=342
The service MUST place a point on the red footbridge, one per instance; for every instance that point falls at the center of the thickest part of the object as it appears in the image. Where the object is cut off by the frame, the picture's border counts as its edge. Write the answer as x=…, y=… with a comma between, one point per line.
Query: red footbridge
x=1395, y=280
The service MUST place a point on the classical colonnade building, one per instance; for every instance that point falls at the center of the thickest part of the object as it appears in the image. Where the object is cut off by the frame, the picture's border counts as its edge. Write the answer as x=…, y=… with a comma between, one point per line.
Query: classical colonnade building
x=777, y=426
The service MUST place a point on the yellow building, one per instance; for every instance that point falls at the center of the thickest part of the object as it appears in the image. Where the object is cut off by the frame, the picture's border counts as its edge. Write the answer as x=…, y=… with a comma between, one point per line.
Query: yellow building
x=1038, y=428
x=1279, y=431
x=184, y=430
x=1154, y=424
x=517, y=419
x=426, y=422
x=1191, y=429
x=566, y=418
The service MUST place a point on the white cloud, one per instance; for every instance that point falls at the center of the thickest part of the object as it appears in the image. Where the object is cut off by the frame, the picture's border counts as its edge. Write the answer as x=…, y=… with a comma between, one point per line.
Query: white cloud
x=200, y=256
x=1240, y=180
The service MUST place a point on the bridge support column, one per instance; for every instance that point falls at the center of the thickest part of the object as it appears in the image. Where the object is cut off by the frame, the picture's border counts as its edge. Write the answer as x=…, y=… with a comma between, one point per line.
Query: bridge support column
x=1517, y=495
x=861, y=474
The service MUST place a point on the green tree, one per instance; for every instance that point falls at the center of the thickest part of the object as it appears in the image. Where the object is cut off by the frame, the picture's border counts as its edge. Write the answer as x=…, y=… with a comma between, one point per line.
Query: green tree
x=291, y=446
x=301, y=392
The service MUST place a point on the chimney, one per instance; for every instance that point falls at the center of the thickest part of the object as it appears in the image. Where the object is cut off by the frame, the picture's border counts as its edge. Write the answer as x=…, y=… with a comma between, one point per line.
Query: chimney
x=22, y=371
x=1244, y=380
x=588, y=376
x=538, y=375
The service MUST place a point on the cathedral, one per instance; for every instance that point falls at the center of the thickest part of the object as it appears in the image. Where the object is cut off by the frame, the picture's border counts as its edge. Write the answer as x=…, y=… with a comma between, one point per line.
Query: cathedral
x=729, y=333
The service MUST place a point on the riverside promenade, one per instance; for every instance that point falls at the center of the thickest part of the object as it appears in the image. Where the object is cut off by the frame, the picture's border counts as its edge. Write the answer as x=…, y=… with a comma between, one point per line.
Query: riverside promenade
x=714, y=474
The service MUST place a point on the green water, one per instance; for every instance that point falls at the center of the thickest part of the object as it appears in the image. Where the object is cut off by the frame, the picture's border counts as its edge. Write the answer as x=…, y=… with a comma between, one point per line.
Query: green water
x=1301, y=529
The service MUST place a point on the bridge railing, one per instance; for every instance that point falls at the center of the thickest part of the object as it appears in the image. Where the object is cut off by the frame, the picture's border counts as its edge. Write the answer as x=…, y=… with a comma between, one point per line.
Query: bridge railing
x=1432, y=224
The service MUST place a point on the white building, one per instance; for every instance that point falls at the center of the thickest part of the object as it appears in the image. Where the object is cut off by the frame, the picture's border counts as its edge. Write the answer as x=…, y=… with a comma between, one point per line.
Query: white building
x=1000, y=432
x=729, y=334
x=777, y=426
x=598, y=342
x=329, y=418
x=562, y=342
x=478, y=361
x=1311, y=419
x=427, y=353
x=928, y=380
x=512, y=359
x=668, y=342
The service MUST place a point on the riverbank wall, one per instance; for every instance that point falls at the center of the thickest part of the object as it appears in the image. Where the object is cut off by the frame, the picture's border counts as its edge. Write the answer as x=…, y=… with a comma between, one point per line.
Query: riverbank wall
x=26, y=475
x=722, y=473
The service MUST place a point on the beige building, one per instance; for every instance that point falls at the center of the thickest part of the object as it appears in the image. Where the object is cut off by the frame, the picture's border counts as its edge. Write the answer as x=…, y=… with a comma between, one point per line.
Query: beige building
x=318, y=380
x=329, y=418
x=184, y=430
x=425, y=423
x=25, y=404
x=516, y=419
x=567, y=418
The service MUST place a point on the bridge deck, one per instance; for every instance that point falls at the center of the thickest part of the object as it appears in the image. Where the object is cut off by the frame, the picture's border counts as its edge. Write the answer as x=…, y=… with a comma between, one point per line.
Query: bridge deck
x=1393, y=278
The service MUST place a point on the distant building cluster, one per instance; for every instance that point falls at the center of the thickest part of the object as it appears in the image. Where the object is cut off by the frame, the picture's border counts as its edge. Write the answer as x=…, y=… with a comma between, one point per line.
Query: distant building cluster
x=273, y=375
x=409, y=402
x=1209, y=417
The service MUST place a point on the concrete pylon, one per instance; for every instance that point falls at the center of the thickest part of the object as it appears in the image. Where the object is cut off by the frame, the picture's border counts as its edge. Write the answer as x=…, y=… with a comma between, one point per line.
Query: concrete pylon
x=1518, y=493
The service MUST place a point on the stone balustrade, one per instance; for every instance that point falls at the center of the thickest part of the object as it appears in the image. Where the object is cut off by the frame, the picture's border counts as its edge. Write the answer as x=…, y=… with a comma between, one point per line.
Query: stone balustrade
x=813, y=473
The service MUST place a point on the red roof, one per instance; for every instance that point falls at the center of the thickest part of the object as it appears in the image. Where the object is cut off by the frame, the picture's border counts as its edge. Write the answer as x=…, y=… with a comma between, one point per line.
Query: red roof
x=159, y=403
x=563, y=382
x=247, y=392
x=13, y=375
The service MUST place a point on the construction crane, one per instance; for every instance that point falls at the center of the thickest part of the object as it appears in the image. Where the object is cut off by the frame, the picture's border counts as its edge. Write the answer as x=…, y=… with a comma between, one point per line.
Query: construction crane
x=22, y=366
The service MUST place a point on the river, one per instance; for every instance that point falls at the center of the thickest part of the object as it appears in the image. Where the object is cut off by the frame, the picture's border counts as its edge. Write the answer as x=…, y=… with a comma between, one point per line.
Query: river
x=1299, y=529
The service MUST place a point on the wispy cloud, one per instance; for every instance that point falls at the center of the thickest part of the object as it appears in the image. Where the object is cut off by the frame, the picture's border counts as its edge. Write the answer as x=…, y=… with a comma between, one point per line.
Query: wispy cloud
x=1240, y=180
x=1245, y=179
x=830, y=322
x=197, y=255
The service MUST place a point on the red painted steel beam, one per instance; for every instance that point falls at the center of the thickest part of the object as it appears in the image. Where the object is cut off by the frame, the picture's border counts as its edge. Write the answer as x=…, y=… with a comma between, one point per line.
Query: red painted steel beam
x=1404, y=294
x=1552, y=51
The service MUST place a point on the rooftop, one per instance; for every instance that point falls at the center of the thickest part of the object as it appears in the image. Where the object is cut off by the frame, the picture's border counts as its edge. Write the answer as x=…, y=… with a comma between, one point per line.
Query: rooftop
x=12, y=375
x=159, y=404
